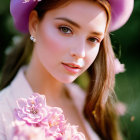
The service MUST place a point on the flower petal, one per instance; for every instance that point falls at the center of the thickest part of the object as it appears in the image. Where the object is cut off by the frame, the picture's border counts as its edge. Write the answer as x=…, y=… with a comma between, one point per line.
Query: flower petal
x=22, y=102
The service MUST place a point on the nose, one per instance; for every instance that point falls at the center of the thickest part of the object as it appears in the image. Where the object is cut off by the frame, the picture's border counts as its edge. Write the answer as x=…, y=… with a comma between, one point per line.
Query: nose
x=79, y=48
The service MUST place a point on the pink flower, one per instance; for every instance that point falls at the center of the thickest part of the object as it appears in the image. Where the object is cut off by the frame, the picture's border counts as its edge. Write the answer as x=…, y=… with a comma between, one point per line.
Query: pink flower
x=56, y=121
x=121, y=108
x=26, y=132
x=37, y=121
x=32, y=110
x=72, y=133
x=118, y=66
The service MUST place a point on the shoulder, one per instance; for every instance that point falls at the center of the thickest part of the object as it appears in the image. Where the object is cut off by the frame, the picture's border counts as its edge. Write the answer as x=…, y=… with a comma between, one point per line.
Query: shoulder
x=7, y=103
x=6, y=113
x=4, y=97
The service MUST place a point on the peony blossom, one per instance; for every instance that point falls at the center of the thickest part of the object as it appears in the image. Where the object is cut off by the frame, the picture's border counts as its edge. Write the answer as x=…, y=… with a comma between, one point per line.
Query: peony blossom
x=26, y=132
x=35, y=120
x=32, y=110
x=118, y=66
x=71, y=133
x=56, y=122
x=121, y=108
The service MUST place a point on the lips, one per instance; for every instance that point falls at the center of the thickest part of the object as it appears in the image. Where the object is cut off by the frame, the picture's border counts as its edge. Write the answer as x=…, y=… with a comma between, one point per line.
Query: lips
x=72, y=68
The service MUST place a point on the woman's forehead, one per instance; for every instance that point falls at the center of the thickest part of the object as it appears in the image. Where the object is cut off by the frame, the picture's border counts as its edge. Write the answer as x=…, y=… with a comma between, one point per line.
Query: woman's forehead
x=82, y=13
x=81, y=6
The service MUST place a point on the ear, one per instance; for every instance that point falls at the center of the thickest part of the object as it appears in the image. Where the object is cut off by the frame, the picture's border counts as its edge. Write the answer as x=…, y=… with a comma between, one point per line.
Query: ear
x=33, y=22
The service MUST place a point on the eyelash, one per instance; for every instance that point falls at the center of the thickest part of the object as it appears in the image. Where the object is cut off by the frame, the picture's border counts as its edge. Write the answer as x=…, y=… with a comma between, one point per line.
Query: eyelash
x=95, y=40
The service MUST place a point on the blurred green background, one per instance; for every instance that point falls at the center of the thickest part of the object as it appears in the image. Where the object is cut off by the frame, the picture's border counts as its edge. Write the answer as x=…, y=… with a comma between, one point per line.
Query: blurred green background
x=127, y=83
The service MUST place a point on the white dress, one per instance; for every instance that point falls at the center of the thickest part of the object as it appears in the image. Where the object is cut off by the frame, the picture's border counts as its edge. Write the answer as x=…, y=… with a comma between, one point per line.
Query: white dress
x=20, y=88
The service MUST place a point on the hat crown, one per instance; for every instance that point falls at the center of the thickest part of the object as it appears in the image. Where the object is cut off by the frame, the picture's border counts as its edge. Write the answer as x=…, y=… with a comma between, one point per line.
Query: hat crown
x=20, y=10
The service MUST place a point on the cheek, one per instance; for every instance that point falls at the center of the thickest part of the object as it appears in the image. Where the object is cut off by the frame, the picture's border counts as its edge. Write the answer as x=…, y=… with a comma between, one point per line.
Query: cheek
x=92, y=54
x=52, y=41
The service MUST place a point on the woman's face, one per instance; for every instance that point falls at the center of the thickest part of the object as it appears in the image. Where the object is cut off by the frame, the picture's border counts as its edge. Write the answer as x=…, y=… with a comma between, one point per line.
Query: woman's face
x=68, y=39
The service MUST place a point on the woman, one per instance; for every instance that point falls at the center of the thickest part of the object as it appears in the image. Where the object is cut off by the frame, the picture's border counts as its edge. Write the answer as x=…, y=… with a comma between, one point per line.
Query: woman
x=69, y=38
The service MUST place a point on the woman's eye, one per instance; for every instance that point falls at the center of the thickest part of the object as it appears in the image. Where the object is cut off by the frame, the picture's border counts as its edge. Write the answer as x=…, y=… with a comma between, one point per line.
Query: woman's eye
x=94, y=40
x=65, y=30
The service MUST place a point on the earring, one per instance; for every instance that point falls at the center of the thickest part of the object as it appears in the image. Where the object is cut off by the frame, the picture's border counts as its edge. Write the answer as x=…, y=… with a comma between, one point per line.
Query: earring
x=32, y=38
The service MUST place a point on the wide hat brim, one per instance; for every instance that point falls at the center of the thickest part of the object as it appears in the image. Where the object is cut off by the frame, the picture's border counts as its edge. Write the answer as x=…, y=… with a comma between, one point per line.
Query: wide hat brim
x=120, y=11
x=20, y=12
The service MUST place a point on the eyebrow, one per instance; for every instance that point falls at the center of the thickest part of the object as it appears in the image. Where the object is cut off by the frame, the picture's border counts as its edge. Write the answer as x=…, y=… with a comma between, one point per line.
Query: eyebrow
x=69, y=21
x=97, y=33
x=76, y=25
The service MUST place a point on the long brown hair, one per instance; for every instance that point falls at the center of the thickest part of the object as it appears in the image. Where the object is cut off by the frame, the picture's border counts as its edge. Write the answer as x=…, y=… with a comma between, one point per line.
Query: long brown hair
x=99, y=106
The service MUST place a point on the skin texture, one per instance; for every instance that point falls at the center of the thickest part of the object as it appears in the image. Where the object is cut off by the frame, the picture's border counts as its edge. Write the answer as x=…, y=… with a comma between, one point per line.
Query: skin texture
x=59, y=41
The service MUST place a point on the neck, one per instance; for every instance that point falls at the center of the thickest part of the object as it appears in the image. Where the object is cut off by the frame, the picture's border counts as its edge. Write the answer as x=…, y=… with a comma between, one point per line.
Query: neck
x=41, y=81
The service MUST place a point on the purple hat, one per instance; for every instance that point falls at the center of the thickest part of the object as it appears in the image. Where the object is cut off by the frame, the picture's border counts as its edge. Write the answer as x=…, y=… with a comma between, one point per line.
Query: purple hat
x=20, y=10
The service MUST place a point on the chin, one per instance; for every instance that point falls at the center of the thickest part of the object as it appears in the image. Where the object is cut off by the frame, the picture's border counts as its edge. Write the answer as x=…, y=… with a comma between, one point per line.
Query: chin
x=67, y=79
